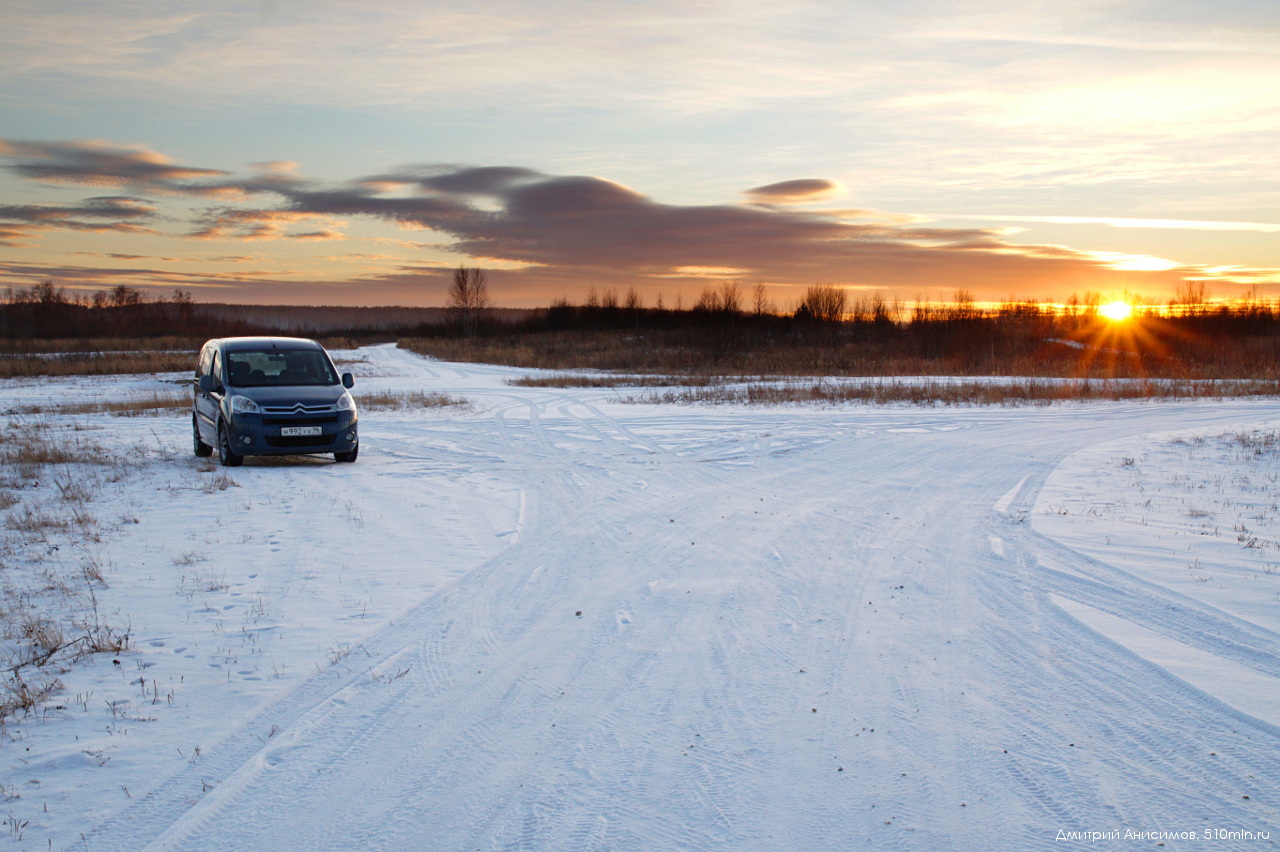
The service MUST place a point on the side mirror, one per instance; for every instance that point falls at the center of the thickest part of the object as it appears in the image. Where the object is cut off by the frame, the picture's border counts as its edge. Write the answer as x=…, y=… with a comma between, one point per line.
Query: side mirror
x=348, y=380
x=206, y=383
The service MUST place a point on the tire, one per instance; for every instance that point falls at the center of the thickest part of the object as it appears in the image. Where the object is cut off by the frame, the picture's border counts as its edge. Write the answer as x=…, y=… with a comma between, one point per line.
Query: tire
x=202, y=449
x=348, y=457
x=226, y=456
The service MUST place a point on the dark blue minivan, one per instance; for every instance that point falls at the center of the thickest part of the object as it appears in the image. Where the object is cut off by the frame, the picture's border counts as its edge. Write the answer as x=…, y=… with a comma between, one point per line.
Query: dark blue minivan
x=265, y=396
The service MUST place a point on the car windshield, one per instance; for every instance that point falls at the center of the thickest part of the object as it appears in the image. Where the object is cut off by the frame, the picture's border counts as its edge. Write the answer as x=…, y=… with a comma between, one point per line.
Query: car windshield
x=276, y=367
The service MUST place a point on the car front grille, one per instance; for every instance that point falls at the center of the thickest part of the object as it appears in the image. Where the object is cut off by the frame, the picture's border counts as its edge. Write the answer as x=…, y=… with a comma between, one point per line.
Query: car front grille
x=299, y=421
x=297, y=409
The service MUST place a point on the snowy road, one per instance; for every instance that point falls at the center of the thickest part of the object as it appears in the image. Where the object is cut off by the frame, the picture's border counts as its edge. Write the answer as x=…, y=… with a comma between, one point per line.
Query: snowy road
x=724, y=628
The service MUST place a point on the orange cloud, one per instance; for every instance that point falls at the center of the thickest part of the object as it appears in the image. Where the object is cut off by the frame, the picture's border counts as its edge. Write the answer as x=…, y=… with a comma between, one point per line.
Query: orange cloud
x=263, y=225
x=795, y=191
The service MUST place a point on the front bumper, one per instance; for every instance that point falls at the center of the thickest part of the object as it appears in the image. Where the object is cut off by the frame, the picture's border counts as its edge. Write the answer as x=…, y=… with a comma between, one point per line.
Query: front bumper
x=261, y=434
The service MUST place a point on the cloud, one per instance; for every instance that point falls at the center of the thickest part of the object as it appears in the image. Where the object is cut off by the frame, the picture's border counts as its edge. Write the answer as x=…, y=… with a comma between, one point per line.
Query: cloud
x=95, y=162
x=25, y=220
x=1123, y=222
x=318, y=236
x=101, y=207
x=229, y=223
x=489, y=180
x=795, y=191
x=16, y=236
x=538, y=230
x=579, y=227
x=277, y=166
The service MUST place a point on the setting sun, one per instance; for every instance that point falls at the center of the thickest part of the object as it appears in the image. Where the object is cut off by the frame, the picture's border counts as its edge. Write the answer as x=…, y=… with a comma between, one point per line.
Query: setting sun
x=1116, y=311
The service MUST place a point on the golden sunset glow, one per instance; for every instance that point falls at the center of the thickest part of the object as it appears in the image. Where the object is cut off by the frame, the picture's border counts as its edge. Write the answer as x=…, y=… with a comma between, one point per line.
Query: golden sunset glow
x=1011, y=151
x=1116, y=311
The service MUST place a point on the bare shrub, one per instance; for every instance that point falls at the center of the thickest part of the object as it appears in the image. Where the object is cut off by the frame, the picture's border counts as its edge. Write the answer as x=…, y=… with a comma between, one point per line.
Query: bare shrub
x=43, y=633
x=192, y=583
x=101, y=638
x=91, y=570
x=18, y=695
x=219, y=481
x=190, y=557
x=72, y=490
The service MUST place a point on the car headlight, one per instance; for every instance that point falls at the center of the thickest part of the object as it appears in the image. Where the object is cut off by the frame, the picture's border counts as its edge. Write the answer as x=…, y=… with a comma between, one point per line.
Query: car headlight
x=345, y=403
x=244, y=405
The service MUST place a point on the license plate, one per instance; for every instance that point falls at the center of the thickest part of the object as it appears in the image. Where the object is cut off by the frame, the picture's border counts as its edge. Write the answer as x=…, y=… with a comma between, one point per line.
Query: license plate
x=299, y=431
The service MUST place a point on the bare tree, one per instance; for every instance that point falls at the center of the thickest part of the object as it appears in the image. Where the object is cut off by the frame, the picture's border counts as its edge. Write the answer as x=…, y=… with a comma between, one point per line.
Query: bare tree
x=825, y=302
x=963, y=306
x=760, y=300
x=708, y=301
x=731, y=297
x=469, y=297
x=1193, y=297
x=122, y=296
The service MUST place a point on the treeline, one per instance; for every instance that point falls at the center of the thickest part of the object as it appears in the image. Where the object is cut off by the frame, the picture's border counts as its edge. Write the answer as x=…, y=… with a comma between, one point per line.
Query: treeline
x=728, y=330
x=731, y=332
x=46, y=312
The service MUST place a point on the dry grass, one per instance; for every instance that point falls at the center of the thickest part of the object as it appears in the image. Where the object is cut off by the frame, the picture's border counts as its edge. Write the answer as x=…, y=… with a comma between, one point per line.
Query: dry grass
x=48, y=609
x=1255, y=444
x=36, y=523
x=402, y=400
x=37, y=442
x=19, y=696
x=220, y=480
x=958, y=392
x=72, y=345
x=569, y=351
x=95, y=363
x=191, y=584
x=608, y=380
x=156, y=403
x=982, y=346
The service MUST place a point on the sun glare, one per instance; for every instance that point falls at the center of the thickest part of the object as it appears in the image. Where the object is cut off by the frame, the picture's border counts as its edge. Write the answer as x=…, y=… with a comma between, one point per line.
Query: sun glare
x=1116, y=311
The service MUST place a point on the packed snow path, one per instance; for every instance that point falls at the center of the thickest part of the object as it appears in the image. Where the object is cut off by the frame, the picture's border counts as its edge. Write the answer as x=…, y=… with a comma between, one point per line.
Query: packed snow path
x=725, y=628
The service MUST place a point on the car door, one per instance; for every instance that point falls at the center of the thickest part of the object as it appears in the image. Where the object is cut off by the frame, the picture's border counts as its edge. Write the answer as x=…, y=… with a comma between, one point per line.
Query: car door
x=208, y=402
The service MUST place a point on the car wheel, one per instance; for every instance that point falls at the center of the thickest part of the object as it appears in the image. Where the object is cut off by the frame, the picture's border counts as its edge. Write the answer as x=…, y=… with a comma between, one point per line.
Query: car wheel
x=202, y=449
x=225, y=453
x=348, y=457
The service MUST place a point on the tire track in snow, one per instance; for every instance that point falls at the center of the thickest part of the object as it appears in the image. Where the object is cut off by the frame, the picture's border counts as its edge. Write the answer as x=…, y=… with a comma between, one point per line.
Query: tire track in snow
x=937, y=672
x=1130, y=699
x=1157, y=608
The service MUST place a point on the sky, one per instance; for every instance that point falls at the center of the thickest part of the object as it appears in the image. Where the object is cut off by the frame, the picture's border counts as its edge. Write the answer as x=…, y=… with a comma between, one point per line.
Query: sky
x=340, y=153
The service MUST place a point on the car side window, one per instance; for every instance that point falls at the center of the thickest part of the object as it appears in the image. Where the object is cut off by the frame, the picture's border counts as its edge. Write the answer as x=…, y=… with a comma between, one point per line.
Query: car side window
x=205, y=364
x=216, y=368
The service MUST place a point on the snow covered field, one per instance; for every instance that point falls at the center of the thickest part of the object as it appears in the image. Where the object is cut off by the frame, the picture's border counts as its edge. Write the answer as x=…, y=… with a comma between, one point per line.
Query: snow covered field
x=554, y=621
